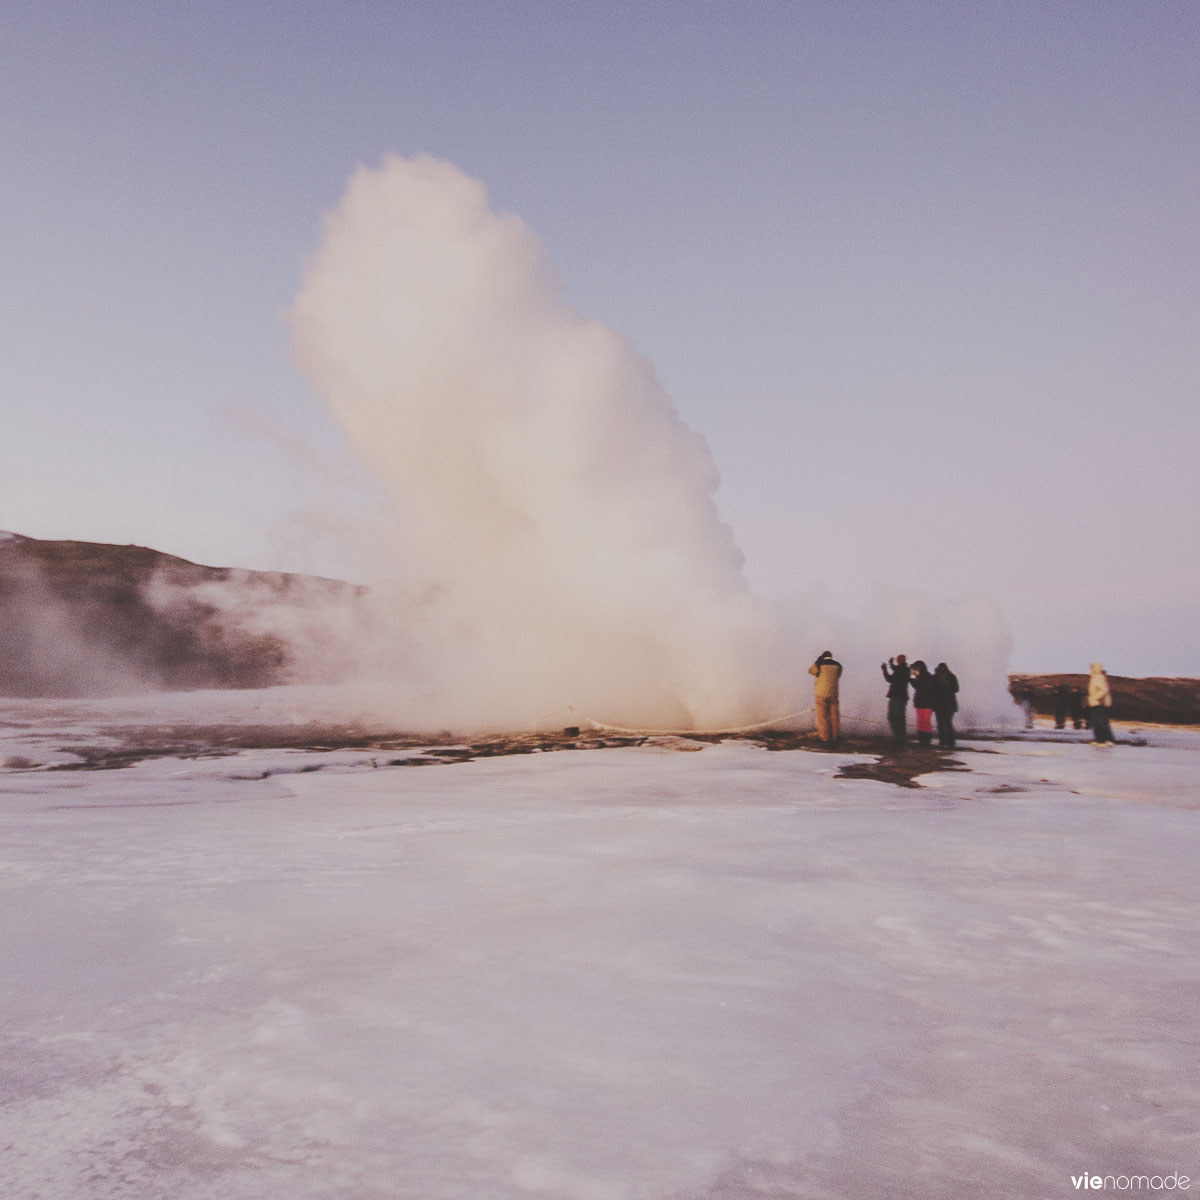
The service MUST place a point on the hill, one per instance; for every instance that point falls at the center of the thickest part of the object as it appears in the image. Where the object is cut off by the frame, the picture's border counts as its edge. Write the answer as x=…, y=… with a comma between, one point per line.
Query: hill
x=91, y=619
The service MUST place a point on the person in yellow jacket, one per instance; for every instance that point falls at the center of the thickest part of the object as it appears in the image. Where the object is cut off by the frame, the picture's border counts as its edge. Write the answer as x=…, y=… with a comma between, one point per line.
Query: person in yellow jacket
x=828, y=671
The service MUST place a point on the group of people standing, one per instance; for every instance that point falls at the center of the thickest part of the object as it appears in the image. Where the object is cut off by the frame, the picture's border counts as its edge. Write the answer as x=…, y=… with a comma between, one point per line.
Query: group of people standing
x=1092, y=707
x=934, y=695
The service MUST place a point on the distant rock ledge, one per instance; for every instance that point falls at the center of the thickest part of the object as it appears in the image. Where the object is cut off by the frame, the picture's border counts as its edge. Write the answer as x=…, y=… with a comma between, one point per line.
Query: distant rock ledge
x=1157, y=700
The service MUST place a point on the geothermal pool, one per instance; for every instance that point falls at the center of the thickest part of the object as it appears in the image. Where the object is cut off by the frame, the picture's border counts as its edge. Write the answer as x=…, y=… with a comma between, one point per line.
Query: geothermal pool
x=639, y=973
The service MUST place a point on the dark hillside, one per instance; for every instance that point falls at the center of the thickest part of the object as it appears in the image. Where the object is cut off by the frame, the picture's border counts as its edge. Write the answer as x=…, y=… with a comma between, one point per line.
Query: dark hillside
x=89, y=619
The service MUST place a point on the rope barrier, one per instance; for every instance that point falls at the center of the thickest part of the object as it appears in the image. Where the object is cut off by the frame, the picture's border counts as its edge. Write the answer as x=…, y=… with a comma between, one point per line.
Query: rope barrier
x=592, y=723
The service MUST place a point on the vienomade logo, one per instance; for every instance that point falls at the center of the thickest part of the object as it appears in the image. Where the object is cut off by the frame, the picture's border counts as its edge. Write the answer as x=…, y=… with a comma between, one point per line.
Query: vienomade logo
x=1132, y=1183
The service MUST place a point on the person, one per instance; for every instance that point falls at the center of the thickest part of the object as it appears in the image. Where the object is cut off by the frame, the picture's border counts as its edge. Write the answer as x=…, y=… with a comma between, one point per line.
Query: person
x=1062, y=695
x=828, y=671
x=924, y=699
x=945, y=703
x=897, y=679
x=1099, y=698
x=1077, y=710
x=1023, y=697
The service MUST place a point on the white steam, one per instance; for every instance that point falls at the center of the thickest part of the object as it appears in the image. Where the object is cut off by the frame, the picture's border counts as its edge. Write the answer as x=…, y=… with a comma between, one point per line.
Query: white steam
x=553, y=513
x=554, y=539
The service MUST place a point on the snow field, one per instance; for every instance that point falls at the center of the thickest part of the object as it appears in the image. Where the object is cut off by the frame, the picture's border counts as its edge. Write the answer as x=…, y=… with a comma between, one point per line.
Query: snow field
x=629, y=974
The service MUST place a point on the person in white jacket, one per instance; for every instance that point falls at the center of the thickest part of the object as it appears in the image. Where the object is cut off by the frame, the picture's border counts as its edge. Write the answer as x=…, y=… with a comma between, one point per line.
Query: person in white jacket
x=1099, y=698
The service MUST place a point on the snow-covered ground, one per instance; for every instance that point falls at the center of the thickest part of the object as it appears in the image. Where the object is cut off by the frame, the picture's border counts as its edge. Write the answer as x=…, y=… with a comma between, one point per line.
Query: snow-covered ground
x=622, y=974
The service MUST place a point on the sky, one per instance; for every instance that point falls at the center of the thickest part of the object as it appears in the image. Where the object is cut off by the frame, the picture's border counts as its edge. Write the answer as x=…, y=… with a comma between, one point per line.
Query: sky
x=925, y=276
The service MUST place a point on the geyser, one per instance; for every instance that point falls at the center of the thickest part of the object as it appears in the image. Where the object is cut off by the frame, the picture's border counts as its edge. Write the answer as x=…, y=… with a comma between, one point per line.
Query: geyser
x=554, y=524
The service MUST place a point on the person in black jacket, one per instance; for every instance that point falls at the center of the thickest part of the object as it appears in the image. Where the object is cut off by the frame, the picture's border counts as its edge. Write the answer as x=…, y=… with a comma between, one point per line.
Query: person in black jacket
x=945, y=703
x=897, y=679
x=1077, y=714
x=924, y=701
x=1062, y=697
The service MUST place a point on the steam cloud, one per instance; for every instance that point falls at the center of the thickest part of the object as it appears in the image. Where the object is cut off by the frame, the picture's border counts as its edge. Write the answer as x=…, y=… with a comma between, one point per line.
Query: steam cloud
x=554, y=520
x=554, y=534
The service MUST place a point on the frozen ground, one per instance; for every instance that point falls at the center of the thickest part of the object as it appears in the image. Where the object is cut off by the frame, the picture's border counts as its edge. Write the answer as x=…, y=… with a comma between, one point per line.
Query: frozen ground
x=619, y=974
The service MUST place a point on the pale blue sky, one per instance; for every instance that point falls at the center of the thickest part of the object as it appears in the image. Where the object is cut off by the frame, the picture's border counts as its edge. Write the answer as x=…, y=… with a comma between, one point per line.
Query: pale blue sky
x=926, y=275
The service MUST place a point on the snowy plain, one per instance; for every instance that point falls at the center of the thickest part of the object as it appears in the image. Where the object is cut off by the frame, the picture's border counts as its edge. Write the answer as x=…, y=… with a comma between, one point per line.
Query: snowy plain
x=620, y=974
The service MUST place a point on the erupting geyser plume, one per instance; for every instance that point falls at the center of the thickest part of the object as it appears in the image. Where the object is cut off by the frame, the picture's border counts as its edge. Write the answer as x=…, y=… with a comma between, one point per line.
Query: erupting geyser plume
x=554, y=517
